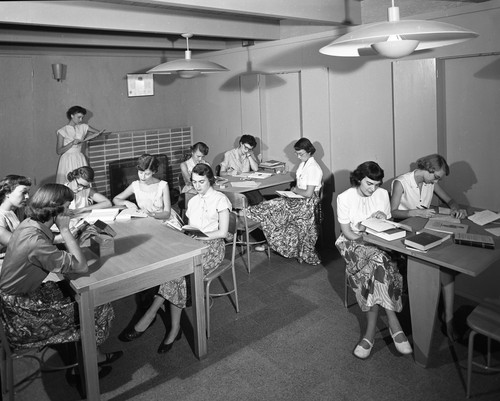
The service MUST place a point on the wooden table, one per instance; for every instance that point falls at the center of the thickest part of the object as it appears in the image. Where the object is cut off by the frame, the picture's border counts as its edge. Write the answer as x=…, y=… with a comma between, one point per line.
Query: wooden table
x=274, y=180
x=424, y=283
x=147, y=253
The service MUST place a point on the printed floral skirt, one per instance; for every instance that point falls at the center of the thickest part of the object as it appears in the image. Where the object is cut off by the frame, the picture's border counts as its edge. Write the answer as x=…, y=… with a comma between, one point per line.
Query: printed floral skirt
x=372, y=274
x=175, y=290
x=290, y=226
x=48, y=315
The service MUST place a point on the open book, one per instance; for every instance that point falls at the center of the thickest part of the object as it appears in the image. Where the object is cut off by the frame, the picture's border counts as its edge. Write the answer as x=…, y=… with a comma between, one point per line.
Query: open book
x=259, y=175
x=127, y=214
x=446, y=226
x=107, y=215
x=289, y=194
x=186, y=229
x=384, y=225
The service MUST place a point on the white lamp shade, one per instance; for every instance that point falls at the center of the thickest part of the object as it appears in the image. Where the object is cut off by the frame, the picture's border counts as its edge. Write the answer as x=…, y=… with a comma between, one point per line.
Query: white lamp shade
x=429, y=34
x=176, y=66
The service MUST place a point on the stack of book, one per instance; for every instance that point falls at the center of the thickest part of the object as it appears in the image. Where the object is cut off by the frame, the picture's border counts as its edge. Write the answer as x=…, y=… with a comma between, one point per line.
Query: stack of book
x=272, y=166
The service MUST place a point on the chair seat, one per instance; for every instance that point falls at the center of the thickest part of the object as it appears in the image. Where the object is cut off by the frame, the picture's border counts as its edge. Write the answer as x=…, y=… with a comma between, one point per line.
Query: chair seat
x=218, y=271
x=252, y=224
x=485, y=321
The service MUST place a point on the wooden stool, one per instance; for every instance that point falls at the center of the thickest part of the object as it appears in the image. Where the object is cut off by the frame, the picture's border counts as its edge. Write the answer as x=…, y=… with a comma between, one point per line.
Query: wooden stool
x=485, y=321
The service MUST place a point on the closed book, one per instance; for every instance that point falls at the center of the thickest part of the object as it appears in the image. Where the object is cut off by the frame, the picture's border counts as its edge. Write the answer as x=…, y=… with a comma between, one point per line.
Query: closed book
x=425, y=241
x=446, y=226
x=477, y=240
x=389, y=235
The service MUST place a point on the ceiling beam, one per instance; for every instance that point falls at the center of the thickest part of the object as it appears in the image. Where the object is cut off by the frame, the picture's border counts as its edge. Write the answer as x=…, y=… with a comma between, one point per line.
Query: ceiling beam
x=315, y=11
x=127, y=18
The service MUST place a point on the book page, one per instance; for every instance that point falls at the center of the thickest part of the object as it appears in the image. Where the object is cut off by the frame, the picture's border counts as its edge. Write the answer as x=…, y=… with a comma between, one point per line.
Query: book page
x=107, y=215
x=244, y=184
x=378, y=224
x=289, y=194
x=484, y=217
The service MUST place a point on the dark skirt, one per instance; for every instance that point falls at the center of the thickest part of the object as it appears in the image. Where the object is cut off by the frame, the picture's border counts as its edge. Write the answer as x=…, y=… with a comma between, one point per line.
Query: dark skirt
x=290, y=226
x=48, y=315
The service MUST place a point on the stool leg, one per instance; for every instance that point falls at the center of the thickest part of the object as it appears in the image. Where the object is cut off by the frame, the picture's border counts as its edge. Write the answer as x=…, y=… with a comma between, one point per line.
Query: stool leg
x=488, y=355
x=346, y=291
x=469, y=361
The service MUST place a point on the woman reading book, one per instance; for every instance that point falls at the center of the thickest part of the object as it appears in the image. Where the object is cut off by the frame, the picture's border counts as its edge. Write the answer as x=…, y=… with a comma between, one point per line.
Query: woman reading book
x=371, y=272
x=208, y=211
x=412, y=194
x=86, y=198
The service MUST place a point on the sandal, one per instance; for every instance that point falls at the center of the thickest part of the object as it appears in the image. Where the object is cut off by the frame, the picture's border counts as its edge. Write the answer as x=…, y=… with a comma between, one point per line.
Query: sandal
x=403, y=347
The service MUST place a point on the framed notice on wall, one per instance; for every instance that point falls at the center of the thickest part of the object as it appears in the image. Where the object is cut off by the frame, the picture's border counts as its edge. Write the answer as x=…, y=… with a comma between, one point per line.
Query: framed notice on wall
x=140, y=85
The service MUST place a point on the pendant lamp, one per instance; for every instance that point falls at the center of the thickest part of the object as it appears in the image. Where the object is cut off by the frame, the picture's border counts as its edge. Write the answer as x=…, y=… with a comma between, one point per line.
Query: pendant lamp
x=186, y=67
x=396, y=38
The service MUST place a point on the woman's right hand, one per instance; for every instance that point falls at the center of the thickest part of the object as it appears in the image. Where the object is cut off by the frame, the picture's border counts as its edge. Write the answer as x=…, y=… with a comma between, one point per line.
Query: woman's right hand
x=62, y=221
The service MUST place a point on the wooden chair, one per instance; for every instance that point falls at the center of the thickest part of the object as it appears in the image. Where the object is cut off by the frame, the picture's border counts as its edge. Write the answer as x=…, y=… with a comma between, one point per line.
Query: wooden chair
x=223, y=267
x=10, y=354
x=245, y=226
x=485, y=321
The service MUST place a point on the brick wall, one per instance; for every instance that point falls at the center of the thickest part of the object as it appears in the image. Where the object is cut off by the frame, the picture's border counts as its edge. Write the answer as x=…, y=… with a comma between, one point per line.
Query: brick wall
x=173, y=142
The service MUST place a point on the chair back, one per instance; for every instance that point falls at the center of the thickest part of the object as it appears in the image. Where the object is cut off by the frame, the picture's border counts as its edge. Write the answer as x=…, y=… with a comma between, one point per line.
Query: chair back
x=232, y=223
x=239, y=201
x=217, y=170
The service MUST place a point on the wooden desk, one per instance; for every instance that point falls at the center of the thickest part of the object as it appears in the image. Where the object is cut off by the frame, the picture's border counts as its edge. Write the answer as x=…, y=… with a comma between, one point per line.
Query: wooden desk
x=274, y=180
x=424, y=283
x=147, y=253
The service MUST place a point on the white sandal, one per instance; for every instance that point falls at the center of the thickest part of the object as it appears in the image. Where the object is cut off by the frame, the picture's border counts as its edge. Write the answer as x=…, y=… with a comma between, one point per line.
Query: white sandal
x=403, y=347
x=363, y=353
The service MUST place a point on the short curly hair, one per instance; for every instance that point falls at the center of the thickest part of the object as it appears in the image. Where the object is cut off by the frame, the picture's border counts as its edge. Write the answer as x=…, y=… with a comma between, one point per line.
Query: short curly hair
x=148, y=162
x=433, y=163
x=75, y=110
x=368, y=169
x=10, y=182
x=48, y=201
x=204, y=170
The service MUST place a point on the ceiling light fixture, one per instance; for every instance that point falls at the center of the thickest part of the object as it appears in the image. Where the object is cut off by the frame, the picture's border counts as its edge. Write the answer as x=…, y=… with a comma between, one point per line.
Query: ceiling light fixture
x=396, y=38
x=186, y=67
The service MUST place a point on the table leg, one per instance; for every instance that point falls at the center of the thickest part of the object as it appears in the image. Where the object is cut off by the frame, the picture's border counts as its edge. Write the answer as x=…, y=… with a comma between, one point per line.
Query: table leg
x=199, y=319
x=423, y=291
x=87, y=332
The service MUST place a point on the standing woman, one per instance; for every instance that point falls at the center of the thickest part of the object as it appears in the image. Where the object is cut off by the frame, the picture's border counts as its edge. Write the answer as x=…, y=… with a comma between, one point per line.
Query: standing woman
x=14, y=193
x=86, y=198
x=290, y=225
x=372, y=274
x=71, y=141
x=411, y=196
x=36, y=313
x=208, y=211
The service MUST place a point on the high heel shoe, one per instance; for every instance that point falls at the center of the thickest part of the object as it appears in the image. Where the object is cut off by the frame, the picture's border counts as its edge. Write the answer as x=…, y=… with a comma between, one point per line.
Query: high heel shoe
x=361, y=352
x=403, y=347
x=164, y=348
x=132, y=334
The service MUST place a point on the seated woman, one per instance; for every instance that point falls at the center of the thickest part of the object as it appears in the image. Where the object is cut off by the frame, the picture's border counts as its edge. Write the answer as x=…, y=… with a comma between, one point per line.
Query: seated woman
x=152, y=195
x=209, y=212
x=372, y=274
x=198, y=150
x=290, y=225
x=36, y=313
x=411, y=196
x=86, y=198
x=14, y=193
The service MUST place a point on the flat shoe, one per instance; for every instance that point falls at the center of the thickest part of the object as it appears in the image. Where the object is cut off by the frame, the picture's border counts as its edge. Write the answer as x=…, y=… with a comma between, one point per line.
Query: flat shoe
x=111, y=357
x=164, y=348
x=403, y=347
x=73, y=378
x=260, y=248
x=361, y=352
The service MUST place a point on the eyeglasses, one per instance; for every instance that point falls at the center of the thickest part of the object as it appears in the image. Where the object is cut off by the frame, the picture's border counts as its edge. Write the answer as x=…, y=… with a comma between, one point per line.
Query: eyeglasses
x=81, y=187
x=247, y=147
x=301, y=153
x=437, y=177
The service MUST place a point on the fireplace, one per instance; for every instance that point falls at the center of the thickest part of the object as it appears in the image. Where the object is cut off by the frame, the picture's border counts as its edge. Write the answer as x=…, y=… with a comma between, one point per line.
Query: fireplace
x=123, y=172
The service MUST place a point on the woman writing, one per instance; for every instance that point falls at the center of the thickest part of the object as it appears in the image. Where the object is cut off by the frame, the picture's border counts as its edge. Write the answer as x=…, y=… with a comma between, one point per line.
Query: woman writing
x=411, y=196
x=208, y=211
x=14, y=193
x=37, y=313
x=290, y=225
x=71, y=140
x=372, y=274
x=86, y=198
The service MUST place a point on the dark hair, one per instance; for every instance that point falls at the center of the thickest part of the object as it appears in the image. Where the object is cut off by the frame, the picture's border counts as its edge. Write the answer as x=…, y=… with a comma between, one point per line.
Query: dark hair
x=249, y=140
x=85, y=172
x=305, y=144
x=201, y=146
x=48, y=201
x=204, y=170
x=433, y=163
x=75, y=110
x=148, y=162
x=367, y=169
x=10, y=182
